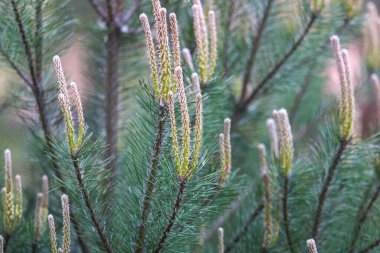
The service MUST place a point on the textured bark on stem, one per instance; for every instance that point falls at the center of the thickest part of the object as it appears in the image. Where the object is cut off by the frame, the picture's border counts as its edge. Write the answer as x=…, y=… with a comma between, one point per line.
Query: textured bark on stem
x=326, y=184
x=170, y=223
x=286, y=214
x=151, y=180
x=88, y=203
x=241, y=233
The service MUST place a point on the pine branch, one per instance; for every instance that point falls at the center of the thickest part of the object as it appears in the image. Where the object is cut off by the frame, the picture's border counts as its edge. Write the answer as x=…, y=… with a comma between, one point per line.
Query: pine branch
x=300, y=94
x=39, y=95
x=370, y=247
x=254, y=49
x=286, y=214
x=27, y=48
x=170, y=223
x=90, y=209
x=15, y=67
x=326, y=184
x=242, y=106
x=241, y=233
x=362, y=217
x=151, y=179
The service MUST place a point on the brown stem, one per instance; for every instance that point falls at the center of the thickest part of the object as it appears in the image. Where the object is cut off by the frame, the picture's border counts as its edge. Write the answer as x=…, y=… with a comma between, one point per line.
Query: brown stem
x=286, y=214
x=86, y=198
x=151, y=180
x=7, y=238
x=34, y=246
x=170, y=224
x=241, y=107
x=326, y=184
x=15, y=68
x=240, y=234
x=254, y=49
x=112, y=89
x=299, y=96
x=362, y=217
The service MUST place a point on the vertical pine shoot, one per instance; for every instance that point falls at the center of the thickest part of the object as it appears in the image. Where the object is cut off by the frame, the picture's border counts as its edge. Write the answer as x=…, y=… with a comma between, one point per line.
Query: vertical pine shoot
x=37, y=217
x=173, y=127
x=271, y=125
x=45, y=200
x=311, y=246
x=213, y=42
x=347, y=96
x=267, y=198
x=198, y=132
x=18, y=207
x=195, y=80
x=188, y=58
x=151, y=52
x=66, y=223
x=53, y=235
x=221, y=240
x=9, y=196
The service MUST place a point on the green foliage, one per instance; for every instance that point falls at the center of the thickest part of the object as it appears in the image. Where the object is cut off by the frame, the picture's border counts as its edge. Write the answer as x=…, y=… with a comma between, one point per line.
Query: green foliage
x=124, y=190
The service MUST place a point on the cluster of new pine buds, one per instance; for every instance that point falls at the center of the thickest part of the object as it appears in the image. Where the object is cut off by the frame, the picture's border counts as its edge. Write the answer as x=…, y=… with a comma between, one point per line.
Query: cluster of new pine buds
x=163, y=80
x=184, y=168
x=66, y=228
x=372, y=37
x=64, y=99
x=347, y=102
x=225, y=152
x=41, y=209
x=12, y=206
x=206, y=41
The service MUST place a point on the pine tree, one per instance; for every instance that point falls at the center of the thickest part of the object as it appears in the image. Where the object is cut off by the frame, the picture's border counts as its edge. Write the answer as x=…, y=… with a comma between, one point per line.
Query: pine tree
x=198, y=126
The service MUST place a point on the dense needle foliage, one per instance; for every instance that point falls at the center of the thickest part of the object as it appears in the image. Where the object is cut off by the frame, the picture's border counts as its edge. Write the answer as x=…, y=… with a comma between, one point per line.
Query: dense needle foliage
x=190, y=126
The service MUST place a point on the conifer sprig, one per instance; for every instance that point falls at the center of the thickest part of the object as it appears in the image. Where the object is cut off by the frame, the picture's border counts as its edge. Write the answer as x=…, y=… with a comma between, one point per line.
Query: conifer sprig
x=346, y=114
x=74, y=147
x=206, y=40
x=66, y=238
x=12, y=203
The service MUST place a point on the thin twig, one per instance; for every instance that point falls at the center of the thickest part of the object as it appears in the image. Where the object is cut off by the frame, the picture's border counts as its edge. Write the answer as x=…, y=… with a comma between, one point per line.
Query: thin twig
x=286, y=214
x=170, y=223
x=7, y=239
x=87, y=200
x=151, y=180
x=242, y=106
x=370, y=247
x=326, y=184
x=240, y=234
x=362, y=217
x=254, y=49
x=300, y=94
x=15, y=68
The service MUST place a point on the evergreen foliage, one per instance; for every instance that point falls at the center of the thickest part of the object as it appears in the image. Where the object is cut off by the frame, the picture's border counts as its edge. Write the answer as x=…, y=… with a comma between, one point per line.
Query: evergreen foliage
x=173, y=140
